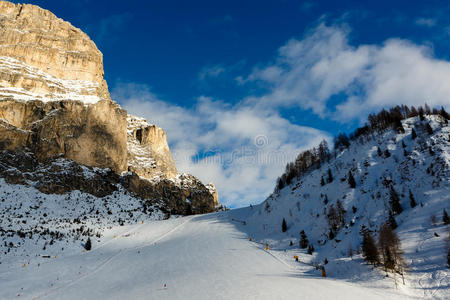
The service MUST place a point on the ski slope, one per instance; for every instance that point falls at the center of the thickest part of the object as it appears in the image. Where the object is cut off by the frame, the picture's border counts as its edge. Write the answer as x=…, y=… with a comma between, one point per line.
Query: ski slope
x=197, y=257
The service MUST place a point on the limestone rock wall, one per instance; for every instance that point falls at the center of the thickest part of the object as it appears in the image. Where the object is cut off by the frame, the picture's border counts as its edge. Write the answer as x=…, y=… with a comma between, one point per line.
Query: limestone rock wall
x=93, y=135
x=148, y=152
x=39, y=40
x=54, y=103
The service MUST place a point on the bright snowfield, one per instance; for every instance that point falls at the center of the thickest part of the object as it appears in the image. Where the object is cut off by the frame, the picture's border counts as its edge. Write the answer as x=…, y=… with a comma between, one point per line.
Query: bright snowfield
x=201, y=257
x=211, y=256
x=423, y=236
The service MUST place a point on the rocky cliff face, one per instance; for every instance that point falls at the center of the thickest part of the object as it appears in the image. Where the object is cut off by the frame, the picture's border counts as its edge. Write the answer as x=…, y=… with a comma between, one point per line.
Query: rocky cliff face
x=54, y=99
x=48, y=53
x=54, y=102
x=92, y=135
x=148, y=151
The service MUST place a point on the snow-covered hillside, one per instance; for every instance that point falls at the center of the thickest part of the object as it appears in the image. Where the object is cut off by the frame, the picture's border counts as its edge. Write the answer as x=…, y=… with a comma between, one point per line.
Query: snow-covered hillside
x=34, y=224
x=243, y=253
x=195, y=257
x=420, y=165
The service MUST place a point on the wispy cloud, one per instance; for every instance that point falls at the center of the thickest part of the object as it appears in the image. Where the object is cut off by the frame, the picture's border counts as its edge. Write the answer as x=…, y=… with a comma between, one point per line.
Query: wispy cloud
x=241, y=148
x=105, y=30
x=427, y=22
x=244, y=147
x=307, y=73
x=211, y=72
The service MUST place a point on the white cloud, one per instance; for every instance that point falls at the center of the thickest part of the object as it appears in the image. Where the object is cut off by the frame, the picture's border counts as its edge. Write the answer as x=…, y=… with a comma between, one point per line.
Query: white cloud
x=248, y=147
x=307, y=73
x=211, y=72
x=427, y=22
x=249, y=143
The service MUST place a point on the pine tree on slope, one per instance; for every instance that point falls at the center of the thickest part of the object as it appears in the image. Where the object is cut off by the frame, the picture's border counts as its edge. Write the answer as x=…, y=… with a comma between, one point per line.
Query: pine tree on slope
x=303, y=240
x=283, y=226
x=445, y=218
x=395, y=202
x=351, y=180
x=369, y=249
x=412, y=201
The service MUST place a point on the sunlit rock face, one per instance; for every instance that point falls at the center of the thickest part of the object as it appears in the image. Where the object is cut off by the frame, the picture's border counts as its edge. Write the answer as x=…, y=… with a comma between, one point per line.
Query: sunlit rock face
x=42, y=56
x=53, y=98
x=148, y=152
x=54, y=104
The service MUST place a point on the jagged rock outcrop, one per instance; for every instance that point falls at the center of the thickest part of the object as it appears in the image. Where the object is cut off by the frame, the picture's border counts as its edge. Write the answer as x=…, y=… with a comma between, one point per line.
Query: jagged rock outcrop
x=184, y=194
x=213, y=191
x=55, y=105
x=148, y=151
x=57, y=176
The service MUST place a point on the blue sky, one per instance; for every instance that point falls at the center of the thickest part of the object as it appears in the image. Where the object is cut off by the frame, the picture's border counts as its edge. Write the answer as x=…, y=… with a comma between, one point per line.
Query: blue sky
x=242, y=86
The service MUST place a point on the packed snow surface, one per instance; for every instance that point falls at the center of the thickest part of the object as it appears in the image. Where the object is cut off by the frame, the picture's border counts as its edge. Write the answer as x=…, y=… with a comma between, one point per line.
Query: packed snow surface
x=196, y=257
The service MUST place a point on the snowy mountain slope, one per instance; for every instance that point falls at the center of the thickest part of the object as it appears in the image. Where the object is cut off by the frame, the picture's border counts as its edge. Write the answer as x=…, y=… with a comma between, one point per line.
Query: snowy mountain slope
x=34, y=224
x=197, y=257
x=305, y=204
x=223, y=255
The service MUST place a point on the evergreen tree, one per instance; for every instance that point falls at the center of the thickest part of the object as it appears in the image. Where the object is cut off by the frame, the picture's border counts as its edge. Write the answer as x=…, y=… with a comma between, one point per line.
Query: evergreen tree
x=88, y=244
x=398, y=126
x=280, y=184
x=427, y=109
x=412, y=200
x=387, y=154
x=283, y=226
x=413, y=112
x=351, y=180
x=323, y=151
x=330, y=176
x=380, y=154
x=325, y=200
x=392, y=221
x=445, y=218
x=333, y=219
x=421, y=114
x=341, y=141
x=395, y=202
x=331, y=234
x=322, y=181
x=303, y=240
x=369, y=249
x=340, y=213
x=448, y=257
x=428, y=128
x=403, y=144
x=444, y=115
x=413, y=134
x=310, y=249
x=390, y=249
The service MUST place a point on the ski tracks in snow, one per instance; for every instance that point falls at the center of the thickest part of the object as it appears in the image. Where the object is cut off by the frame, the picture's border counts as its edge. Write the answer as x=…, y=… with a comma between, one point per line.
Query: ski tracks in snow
x=112, y=257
